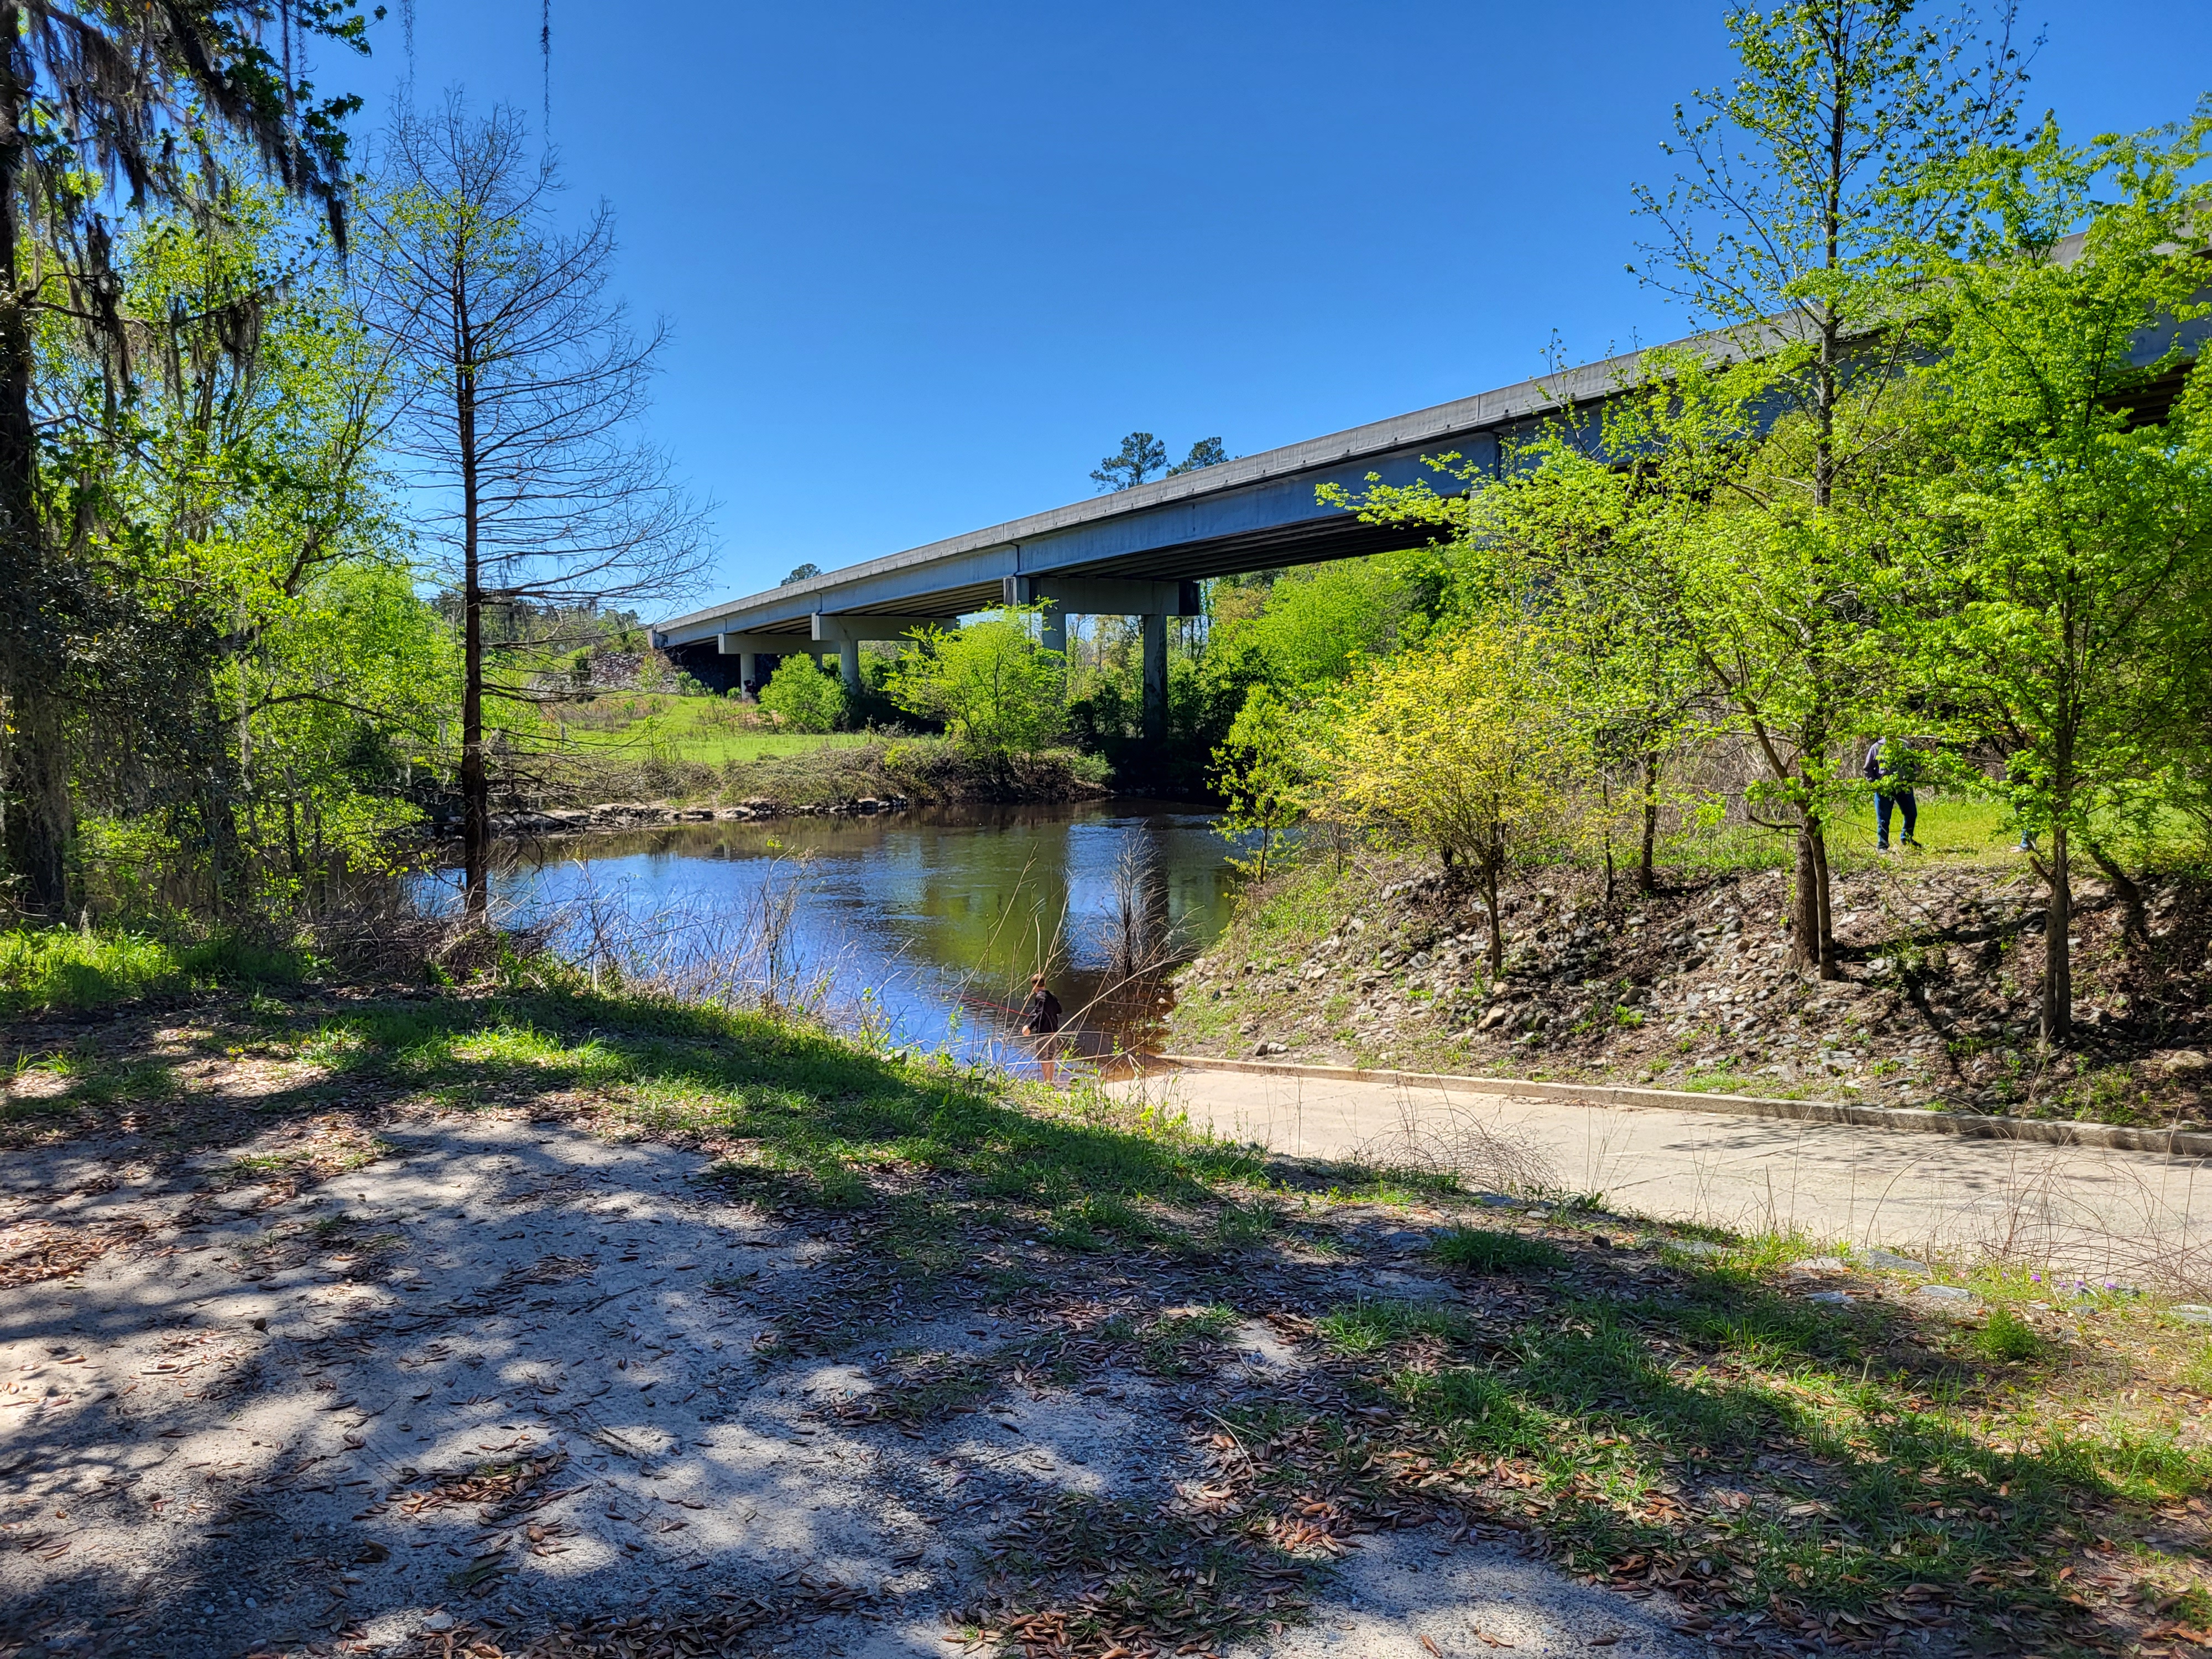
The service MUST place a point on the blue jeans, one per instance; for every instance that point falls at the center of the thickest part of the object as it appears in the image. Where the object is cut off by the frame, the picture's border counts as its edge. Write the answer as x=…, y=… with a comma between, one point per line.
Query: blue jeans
x=1903, y=798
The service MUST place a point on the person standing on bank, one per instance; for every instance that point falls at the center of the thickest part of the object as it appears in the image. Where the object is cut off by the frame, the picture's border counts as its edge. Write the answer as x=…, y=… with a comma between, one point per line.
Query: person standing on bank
x=1889, y=767
x=1041, y=1019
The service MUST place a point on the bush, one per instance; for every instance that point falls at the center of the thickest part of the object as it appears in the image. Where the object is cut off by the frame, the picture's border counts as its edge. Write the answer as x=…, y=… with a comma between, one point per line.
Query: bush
x=807, y=699
x=1483, y=1252
x=996, y=688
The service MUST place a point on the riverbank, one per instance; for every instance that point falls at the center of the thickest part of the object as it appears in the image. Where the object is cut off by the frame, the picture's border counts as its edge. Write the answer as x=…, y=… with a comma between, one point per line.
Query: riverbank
x=1383, y=967
x=867, y=772
x=518, y=1316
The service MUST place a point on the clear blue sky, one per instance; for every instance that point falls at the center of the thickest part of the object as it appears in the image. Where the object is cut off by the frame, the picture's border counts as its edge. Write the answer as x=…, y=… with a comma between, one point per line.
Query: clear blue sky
x=925, y=264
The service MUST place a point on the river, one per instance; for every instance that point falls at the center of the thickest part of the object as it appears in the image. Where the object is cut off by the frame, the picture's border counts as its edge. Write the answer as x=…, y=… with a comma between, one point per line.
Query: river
x=920, y=927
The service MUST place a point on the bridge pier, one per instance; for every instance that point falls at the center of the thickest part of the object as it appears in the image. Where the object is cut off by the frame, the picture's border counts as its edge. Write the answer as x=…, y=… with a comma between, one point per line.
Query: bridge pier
x=1056, y=628
x=1156, y=676
x=848, y=662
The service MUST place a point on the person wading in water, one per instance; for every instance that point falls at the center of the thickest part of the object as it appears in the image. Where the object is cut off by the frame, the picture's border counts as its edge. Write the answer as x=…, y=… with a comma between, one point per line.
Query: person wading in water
x=1041, y=1019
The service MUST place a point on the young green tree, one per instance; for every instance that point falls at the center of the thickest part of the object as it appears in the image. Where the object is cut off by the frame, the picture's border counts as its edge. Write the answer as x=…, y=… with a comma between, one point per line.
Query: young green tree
x=1790, y=230
x=1468, y=747
x=2068, y=537
x=992, y=683
x=1260, y=770
x=807, y=699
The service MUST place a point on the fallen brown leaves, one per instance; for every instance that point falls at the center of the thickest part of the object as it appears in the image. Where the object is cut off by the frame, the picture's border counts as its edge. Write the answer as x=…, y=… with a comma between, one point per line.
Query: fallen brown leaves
x=40, y=1250
x=501, y=1488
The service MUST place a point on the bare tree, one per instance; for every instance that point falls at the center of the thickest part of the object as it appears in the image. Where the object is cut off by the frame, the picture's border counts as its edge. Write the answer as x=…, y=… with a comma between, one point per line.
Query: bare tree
x=526, y=387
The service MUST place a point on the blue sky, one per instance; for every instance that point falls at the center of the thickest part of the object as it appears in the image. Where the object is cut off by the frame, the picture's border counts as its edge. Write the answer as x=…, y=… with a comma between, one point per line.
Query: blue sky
x=925, y=264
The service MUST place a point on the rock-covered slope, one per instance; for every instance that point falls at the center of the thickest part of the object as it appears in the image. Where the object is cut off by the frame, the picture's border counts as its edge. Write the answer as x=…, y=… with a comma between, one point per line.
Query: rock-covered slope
x=1692, y=988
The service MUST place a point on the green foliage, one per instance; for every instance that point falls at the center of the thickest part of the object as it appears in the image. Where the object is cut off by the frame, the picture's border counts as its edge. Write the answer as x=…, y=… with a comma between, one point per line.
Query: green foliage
x=2062, y=591
x=1316, y=623
x=1466, y=746
x=997, y=690
x=269, y=681
x=807, y=698
x=1261, y=773
x=2005, y=1336
x=43, y=968
x=1486, y=1252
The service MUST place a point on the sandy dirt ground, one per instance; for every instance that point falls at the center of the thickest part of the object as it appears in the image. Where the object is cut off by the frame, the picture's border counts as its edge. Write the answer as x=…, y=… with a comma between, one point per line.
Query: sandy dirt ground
x=2138, y=1216
x=504, y=1374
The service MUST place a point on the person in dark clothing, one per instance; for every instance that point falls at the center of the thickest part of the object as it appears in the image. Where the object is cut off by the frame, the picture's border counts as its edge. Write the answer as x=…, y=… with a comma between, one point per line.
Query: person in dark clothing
x=1041, y=1019
x=1890, y=762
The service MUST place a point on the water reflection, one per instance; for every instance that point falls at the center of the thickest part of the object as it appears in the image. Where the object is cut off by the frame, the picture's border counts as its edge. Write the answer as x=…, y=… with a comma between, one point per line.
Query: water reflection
x=925, y=925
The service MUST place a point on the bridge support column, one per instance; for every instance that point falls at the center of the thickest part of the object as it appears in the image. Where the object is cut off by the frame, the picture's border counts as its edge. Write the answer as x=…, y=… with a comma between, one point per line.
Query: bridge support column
x=848, y=664
x=748, y=672
x=1056, y=628
x=1156, y=676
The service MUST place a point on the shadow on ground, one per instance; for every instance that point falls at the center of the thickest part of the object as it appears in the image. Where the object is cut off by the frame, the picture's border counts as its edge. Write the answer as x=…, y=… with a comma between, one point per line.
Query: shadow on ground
x=563, y=1324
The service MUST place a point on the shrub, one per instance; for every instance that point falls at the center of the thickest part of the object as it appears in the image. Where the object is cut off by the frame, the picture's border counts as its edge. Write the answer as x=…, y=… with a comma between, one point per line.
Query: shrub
x=807, y=699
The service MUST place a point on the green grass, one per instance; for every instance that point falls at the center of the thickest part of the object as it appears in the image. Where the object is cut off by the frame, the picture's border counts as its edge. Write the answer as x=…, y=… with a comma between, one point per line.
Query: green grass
x=820, y=1115
x=2005, y=1336
x=1484, y=1252
x=1870, y=1469
x=709, y=731
x=48, y=968
x=1368, y=1327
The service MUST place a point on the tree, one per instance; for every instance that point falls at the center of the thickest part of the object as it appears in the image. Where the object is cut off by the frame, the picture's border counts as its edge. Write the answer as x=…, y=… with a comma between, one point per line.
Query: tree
x=525, y=388
x=2066, y=553
x=805, y=571
x=992, y=683
x=97, y=94
x=1791, y=231
x=1466, y=747
x=262, y=673
x=807, y=699
x=1585, y=547
x=1206, y=452
x=1261, y=774
x=1142, y=455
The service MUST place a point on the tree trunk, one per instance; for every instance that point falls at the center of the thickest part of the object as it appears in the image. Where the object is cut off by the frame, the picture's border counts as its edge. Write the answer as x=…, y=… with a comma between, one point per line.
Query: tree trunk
x=1805, y=906
x=2057, y=956
x=1830, y=969
x=1646, y=880
x=1489, y=878
x=33, y=655
x=475, y=787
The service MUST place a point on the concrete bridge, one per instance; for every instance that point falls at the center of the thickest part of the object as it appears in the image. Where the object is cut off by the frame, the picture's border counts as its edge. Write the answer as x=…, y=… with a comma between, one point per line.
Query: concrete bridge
x=1142, y=552
x=1138, y=552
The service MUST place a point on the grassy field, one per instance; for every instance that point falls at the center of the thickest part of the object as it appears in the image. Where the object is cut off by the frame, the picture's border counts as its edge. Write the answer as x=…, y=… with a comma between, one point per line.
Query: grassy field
x=1953, y=829
x=2023, y=1468
x=709, y=731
